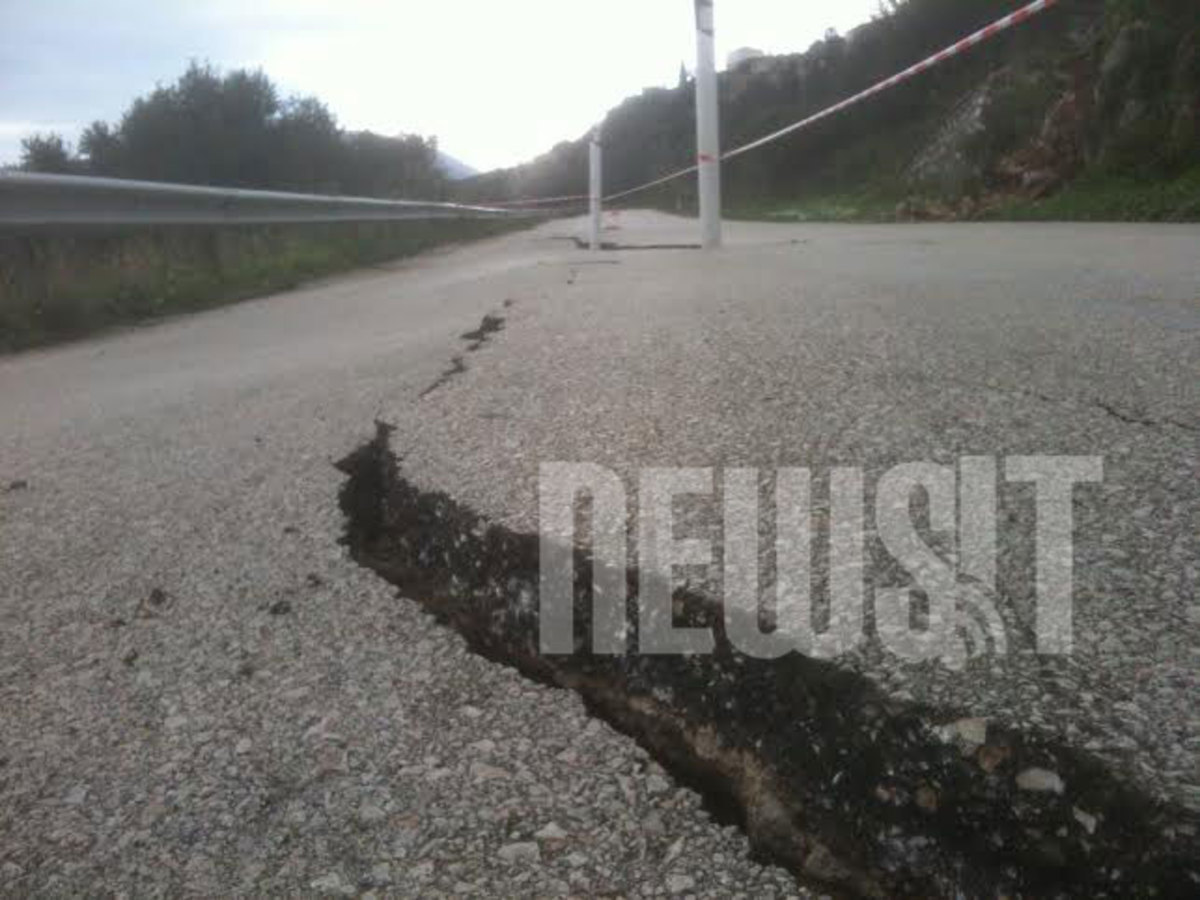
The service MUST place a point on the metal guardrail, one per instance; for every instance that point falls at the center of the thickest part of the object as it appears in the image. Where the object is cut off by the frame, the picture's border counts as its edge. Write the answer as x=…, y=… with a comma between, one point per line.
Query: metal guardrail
x=33, y=200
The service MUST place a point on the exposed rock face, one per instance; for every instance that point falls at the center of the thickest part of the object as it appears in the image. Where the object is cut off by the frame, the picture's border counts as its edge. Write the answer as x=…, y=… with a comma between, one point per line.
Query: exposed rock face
x=974, y=148
x=946, y=165
x=1129, y=102
x=1127, y=50
x=1121, y=91
x=1053, y=156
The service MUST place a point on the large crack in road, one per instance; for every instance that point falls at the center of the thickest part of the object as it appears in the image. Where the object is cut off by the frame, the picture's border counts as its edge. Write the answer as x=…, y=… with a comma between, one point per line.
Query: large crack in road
x=827, y=775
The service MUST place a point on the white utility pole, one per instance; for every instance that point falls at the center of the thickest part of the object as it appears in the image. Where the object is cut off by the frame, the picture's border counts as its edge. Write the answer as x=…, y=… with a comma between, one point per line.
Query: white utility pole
x=708, y=135
x=595, y=187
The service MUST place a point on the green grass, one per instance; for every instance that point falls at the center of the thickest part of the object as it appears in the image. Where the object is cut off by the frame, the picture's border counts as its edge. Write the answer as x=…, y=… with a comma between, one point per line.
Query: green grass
x=1112, y=199
x=56, y=287
x=1092, y=198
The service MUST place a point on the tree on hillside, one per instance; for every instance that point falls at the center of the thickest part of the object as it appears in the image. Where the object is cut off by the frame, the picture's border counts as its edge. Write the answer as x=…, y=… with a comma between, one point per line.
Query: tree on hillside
x=308, y=150
x=205, y=129
x=388, y=167
x=47, y=153
x=234, y=130
x=100, y=148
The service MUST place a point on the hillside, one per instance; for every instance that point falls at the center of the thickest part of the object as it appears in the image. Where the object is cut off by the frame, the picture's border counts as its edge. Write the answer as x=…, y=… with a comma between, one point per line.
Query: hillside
x=1088, y=111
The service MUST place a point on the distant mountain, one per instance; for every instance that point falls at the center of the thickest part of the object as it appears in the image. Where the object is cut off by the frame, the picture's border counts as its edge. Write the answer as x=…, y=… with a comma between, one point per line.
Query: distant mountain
x=455, y=169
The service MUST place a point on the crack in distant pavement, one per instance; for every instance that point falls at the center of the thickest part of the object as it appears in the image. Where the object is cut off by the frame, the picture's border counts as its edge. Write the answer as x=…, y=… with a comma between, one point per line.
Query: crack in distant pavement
x=1149, y=423
x=608, y=245
x=489, y=325
x=457, y=367
x=827, y=775
x=1103, y=406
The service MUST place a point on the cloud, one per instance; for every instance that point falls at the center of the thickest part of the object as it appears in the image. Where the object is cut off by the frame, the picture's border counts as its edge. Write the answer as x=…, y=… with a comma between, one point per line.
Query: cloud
x=64, y=64
x=496, y=82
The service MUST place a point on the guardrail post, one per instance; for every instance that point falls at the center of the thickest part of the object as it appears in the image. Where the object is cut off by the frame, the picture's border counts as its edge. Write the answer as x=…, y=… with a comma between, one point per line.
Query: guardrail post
x=708, y=138
x=595, y=188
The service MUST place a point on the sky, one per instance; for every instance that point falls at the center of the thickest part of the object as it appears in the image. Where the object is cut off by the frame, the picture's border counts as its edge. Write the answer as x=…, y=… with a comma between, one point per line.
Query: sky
x=498, y=82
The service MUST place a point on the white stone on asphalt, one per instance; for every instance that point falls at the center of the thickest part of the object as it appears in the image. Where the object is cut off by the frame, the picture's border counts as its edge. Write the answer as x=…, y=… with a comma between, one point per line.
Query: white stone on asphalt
x=1041, y=781
x=520, y=852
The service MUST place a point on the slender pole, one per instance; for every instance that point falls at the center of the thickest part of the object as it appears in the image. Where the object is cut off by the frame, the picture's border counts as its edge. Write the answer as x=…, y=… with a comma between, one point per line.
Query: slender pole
x=708, y=135
x=595, y=189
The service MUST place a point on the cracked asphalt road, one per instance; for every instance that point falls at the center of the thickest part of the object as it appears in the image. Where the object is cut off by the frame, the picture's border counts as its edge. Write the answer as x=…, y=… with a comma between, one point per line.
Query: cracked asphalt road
x=202, y=692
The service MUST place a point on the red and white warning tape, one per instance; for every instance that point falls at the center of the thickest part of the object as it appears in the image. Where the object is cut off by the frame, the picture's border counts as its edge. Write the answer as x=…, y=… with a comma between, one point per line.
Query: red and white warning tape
x=912, y=71
x=1009, y=21
x=962, y=46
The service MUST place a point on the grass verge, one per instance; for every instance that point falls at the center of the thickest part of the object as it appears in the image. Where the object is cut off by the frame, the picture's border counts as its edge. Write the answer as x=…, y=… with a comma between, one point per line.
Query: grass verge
x=869, y=205
x=1111, y=199
x=59, y=286
x=1091, y=198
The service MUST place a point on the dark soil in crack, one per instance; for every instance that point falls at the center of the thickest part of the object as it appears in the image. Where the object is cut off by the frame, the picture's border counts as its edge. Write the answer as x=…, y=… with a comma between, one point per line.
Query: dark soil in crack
x=489, y=326
x=609, y=245
x=828, y=777
x=457, y=367
x=476, y=339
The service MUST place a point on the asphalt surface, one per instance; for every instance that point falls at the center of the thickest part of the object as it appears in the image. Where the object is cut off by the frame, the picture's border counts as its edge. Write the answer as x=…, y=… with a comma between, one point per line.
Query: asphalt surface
x=202, y=692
